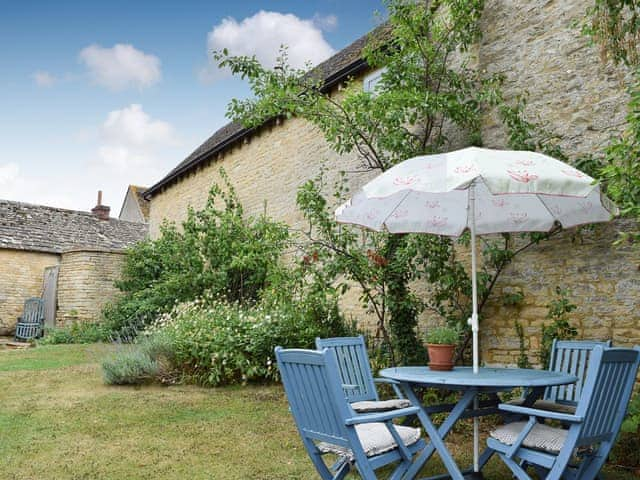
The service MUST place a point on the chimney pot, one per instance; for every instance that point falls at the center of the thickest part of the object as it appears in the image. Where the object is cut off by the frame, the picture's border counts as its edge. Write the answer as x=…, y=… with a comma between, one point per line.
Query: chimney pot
x=101, y=211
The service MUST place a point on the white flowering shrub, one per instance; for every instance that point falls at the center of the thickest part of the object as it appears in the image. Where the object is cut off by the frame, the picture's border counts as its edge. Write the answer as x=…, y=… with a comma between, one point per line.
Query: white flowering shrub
x=217, y=342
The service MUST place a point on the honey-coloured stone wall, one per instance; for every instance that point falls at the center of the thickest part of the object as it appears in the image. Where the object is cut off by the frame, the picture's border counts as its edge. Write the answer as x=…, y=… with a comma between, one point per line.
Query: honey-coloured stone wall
x=86, y=284
x=21, y=277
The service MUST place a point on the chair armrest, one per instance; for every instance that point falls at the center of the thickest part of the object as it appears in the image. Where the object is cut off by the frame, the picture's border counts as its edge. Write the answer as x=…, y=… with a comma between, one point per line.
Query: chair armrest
x=394, y=383
x=534, y=412
x=382, y=416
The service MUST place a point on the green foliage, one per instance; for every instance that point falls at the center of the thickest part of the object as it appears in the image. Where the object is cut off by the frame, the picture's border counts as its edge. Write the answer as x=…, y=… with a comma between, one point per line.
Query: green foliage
x=631, y=423
x=513, y=299
x=560, y=328
x=626, y=451
x=621, y=169
x=129, y=366
x=422, y=95
x=218, y=250
x=77, y=332
x=443, y=335
x=217, y=343
x=421, y=98
x=523, y=358
x=615, y=25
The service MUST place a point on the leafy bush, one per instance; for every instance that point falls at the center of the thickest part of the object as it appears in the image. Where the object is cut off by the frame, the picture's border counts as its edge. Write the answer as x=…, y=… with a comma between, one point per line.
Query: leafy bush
x=560, y=328
x=218, y=250
x=443, y=336
x=626, y=451
x=77, y=332
x=216, y=342
x=130, y=365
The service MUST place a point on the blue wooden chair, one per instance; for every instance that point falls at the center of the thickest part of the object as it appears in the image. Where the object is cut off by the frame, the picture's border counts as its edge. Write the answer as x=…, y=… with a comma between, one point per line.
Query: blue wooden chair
x=572, y=357
x=593, y=428
x=328, y=425
x=358, y=382
x=31, y=323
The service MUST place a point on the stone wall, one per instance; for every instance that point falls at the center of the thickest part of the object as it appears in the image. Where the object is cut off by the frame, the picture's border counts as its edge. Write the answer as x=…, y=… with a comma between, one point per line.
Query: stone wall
x=540, y=52
x=86, y=283
x=267, y=168
x=21, y=277
x=534, y=44
x=602, y=279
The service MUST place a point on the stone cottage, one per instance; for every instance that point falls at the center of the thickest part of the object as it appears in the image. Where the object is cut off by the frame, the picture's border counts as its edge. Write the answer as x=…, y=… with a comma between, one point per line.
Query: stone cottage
x=536, y=46
x=68, y=257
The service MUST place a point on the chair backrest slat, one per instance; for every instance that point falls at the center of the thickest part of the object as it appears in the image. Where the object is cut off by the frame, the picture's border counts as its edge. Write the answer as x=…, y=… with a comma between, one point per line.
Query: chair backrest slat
x=572, y=357
x=313, y=388
x=33, y=310
x=353, y=366
x=607, y=391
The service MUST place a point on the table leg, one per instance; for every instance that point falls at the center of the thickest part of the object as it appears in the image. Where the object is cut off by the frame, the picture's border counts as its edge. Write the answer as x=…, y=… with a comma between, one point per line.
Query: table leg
x=533, y=395
x=436, y=436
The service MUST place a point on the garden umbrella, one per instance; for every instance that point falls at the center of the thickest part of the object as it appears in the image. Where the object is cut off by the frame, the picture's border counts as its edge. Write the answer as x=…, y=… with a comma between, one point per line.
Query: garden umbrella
x=483, y=190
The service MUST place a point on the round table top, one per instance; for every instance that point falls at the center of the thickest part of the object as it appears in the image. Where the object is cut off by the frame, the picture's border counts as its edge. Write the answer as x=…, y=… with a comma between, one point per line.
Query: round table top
x=463, y=377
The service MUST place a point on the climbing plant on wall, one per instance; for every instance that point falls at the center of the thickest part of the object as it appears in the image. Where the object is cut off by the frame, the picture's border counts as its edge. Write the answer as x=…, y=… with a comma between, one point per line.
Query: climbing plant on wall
x=615, y=26
x=428, y=100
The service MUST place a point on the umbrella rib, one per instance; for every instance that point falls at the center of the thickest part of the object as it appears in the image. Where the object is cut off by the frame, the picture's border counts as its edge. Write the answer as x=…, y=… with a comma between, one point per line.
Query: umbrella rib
x=541, y=198
x=384, y=222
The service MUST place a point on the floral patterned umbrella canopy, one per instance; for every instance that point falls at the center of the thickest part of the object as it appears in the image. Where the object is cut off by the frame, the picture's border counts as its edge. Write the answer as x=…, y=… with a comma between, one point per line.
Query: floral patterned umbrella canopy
x=515, y=191
x=483, y=190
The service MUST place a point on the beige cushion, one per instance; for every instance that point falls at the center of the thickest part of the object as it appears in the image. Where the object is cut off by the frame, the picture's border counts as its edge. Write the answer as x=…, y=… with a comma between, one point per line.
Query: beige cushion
x=541, y=437
x=548, y=406
x=375, y=439
x=380, y=406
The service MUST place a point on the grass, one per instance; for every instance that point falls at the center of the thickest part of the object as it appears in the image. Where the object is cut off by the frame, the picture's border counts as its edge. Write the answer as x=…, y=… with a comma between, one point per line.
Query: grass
x=58, y=420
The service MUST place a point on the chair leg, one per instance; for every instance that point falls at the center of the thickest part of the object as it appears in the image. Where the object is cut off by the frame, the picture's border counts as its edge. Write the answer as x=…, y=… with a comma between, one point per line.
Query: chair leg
x=515, y=467
x=318, y=462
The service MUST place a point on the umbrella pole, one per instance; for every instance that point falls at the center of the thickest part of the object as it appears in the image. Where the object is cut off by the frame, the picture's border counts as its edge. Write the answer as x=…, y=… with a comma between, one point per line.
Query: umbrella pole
x=474, y=322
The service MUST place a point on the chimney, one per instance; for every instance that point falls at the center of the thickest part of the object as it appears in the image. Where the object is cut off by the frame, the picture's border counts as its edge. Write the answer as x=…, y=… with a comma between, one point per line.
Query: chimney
x=101, y=211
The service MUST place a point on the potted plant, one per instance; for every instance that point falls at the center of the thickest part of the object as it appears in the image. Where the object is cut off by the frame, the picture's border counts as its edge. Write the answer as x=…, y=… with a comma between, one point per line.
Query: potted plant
x=441, y=345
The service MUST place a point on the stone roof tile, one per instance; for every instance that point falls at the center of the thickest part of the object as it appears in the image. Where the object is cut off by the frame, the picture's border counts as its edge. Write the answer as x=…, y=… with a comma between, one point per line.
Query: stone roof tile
x=47, y=229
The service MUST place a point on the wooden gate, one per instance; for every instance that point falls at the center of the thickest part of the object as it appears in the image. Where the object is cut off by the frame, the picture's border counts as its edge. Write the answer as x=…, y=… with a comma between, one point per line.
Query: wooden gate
x=50, y=295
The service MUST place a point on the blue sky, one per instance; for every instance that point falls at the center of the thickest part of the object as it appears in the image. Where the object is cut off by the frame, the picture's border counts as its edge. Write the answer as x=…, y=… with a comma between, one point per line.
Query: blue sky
x=97, y=95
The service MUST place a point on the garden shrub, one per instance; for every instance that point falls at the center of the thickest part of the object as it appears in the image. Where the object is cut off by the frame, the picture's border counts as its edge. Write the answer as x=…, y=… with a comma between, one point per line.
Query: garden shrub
x=217, y=342
x=626, y=451
x=129, y=365
x=218, y=250
x=77, y=332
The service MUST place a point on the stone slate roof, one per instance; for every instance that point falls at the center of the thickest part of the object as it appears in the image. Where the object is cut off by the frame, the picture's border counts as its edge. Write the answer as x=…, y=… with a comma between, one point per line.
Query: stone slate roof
x=55, y=230
x=345, y=63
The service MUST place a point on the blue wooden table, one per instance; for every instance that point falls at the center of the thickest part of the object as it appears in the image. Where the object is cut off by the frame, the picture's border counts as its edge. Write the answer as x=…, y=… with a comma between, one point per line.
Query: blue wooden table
x=488, y=380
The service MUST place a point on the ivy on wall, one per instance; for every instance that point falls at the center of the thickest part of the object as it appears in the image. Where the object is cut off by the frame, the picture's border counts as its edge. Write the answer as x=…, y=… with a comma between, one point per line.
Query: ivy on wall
x=615, y=26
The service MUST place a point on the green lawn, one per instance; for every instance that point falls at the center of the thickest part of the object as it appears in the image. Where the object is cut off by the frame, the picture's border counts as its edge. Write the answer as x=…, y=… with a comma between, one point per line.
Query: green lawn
x=59, y=421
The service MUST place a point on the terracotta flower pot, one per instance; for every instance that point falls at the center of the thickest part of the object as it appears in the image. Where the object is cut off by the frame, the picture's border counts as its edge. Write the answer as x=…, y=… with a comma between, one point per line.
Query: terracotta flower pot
x=441, y=356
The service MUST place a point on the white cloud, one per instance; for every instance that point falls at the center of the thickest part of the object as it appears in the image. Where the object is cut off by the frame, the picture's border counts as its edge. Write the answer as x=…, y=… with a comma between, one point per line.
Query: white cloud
x=121, y=66
x=8, y=174
x=131, y=138
x=262, y=35
x=43, y=79
x=32, y=187
x=128, y=147
x=328, y=23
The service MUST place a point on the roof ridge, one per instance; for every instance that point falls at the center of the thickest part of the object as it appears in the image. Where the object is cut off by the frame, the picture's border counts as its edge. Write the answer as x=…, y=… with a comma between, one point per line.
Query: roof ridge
x=342, y=61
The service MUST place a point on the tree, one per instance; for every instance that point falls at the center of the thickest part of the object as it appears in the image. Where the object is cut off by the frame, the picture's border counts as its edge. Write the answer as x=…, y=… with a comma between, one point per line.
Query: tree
x=427, y=94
